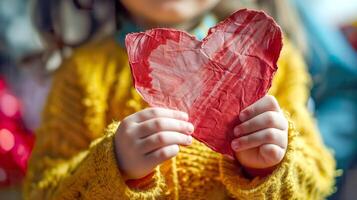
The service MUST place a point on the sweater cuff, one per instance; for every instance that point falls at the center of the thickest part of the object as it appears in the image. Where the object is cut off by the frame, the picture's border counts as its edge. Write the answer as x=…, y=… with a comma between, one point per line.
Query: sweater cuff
x=151, y=186
x=142, y=183
x=99, y=177
x=241, y=187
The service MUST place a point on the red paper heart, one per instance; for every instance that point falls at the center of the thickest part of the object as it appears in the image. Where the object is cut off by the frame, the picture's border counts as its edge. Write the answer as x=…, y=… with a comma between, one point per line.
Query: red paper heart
x=213, y=79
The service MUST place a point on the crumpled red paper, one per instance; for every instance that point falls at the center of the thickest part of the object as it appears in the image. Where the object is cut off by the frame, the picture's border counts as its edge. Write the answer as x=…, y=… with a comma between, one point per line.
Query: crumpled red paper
x=213, y=79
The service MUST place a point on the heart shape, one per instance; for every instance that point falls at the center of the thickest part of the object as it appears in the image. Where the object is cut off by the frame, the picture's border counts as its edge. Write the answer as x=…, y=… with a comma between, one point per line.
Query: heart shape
x=213, y=79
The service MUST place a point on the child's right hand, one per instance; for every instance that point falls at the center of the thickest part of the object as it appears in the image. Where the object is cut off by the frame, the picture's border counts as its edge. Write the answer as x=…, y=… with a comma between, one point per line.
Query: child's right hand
x=149, y=137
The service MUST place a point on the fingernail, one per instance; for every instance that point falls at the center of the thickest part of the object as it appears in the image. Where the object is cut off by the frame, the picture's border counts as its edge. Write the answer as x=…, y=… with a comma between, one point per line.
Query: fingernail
x=235, y=145
x=191, y=128
x=189, y=140
x=185, y=116
x=242, y=116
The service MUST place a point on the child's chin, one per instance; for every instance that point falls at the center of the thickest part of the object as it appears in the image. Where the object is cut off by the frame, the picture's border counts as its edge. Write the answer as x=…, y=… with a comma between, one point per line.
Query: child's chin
x=173, y=18
x=176, y=13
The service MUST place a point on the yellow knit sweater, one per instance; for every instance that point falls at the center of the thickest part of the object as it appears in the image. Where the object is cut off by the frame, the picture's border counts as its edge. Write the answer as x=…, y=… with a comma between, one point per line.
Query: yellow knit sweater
x=74, y=156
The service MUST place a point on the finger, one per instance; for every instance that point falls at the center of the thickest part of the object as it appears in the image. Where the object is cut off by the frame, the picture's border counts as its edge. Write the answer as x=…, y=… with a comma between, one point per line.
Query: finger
x=266, y=136
x=271, y=154
x=268, y=119
x=150, y=113
x=155, y=125
x=162, y=139
x=267, y=103
x=160, y=155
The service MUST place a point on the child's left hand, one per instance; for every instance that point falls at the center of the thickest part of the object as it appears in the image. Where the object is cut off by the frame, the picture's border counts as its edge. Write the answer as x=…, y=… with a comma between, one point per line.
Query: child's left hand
x=262, y=137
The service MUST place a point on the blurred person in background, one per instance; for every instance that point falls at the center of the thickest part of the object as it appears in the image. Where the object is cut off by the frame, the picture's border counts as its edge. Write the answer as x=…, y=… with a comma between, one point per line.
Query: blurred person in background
x=75, y=158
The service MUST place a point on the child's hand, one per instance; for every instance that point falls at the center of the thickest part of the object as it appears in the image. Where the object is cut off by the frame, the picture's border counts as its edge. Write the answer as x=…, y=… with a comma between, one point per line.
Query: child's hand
x=149, y=137
x=261, y=137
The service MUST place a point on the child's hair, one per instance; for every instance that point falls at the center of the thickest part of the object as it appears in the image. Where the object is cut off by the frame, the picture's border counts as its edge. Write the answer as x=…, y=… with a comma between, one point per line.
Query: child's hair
x=288, y=18
x=46, y=13
x=46, y=20
x=282, y=11
x=120, y=10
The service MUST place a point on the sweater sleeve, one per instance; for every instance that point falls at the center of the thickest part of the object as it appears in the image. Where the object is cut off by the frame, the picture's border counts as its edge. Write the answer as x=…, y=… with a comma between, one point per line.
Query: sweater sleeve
x=308, y=168
x=66, y=163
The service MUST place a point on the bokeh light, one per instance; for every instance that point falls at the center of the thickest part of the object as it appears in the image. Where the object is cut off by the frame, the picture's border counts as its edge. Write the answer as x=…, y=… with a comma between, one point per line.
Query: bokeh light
x=9, y=105
x=7, y=140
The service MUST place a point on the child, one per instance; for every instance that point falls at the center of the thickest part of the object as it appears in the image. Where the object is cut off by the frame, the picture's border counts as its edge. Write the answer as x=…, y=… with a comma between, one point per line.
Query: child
x=140, y=157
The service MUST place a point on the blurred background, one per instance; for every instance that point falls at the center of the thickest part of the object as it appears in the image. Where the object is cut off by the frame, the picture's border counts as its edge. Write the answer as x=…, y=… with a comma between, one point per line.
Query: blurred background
x=37, y=35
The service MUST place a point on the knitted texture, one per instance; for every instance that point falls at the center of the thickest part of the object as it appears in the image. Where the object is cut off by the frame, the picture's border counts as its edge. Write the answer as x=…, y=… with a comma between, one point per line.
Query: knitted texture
x=74, y=152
